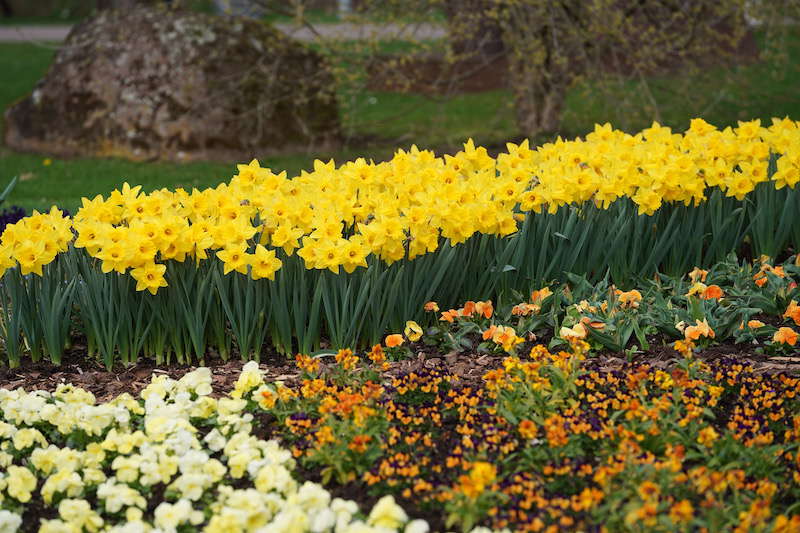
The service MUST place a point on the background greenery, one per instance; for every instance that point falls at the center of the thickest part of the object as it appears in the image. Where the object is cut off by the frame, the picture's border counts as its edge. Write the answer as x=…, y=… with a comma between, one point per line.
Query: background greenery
x=376, y=123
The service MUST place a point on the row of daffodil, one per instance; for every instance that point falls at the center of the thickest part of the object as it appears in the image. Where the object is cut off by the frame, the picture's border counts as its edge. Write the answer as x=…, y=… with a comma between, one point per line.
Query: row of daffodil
x=174, y=459
x=335, y=218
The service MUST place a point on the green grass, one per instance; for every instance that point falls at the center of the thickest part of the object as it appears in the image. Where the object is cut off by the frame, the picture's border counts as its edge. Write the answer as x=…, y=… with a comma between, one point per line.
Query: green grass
x=64, y=182
x=378, y=122
x=54, y=20
x=417, y=119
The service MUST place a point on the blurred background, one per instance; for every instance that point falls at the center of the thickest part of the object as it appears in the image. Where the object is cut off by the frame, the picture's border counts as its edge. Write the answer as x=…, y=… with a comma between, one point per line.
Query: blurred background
x=175, y=93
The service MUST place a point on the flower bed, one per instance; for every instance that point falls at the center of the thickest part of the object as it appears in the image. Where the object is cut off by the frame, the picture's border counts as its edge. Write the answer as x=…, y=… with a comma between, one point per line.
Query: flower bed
x=172, y=460
x=542, y=440
x=487, y=427
x=340, y=255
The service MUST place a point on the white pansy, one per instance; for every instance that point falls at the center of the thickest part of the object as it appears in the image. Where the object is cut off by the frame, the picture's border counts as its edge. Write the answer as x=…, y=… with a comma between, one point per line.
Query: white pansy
x=417, y=526
x=9, y=522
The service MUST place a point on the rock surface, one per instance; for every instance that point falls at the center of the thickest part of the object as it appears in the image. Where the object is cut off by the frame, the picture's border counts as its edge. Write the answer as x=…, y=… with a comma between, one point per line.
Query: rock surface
x=159, y=84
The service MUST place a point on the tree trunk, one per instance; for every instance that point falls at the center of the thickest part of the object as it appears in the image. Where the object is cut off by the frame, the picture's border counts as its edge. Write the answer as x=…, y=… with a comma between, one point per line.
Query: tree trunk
x=538, y=102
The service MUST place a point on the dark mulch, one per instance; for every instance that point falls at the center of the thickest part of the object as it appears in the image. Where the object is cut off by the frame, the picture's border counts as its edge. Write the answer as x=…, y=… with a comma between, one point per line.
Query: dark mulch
x=92, y=376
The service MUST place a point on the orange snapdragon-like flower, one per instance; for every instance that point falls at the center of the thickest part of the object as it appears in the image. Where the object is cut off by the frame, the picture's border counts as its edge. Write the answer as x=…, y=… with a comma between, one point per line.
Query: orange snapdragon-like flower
x=468, y=310
x=377, y=355
x=307, y=363
x=525, y=309
x=527, y=429
x=506, y=337
x=793, y=312
x=706, y=292
x=486, y=309
x=594, y=324
x=707, y=436
x=324, y=435
x=684, y=347
x=449, y=316
x=681, y=512
x=698, y=274
x=578, y=331
x=755, y=324
x=785, y=335
x=712, y=292
x=648, y=490
x=347, y=359
x=539, y=296
x=359, y=443
x=489, y=333
x=392, y=341
x=760, y=277
x=479, y=477
x=630, y=299
x=700, y=329
x=431, y=306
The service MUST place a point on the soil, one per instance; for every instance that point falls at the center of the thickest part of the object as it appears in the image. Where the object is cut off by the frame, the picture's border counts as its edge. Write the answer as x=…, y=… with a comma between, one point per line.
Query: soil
x=92, y=376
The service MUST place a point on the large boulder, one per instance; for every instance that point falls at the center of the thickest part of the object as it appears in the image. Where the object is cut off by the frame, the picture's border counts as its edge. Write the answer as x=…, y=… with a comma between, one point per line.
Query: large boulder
x=160, y=84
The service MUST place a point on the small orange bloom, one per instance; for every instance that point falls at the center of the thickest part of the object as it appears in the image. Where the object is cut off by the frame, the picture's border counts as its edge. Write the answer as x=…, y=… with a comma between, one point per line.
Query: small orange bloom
x=707, y=436
x=755, y=324
x=630, y=299
x=700, y=329
x=793, y=312
x=578, y=331
x=648, y=490
x=681, y=512
x=540, y=295
x=785, y=335
x=394, y=340
x=698, y=274
x=307, y=363
x=347, y=359
x=359, y=443
x=449, y=316
x=507, y=337
x=527, y=429
x=485, y=308
x=489, y=333
x=376, y=354
x=712, y=292
x=684, y=347
x=594, y=324
x=524, y=309
x=431, y=306
x=468, y=309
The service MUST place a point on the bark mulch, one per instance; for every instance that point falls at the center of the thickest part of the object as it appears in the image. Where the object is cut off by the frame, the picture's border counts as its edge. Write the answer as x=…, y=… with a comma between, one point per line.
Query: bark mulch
x=92, y=376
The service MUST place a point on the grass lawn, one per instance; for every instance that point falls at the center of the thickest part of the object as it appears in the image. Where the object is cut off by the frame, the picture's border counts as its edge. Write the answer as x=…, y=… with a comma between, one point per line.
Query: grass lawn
x=392, y=120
